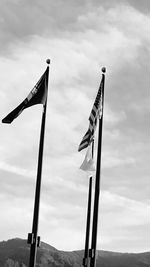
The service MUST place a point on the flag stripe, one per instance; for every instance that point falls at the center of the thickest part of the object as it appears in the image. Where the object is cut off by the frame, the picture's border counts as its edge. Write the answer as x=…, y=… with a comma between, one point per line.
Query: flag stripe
x=84, y=145
x=85, y=141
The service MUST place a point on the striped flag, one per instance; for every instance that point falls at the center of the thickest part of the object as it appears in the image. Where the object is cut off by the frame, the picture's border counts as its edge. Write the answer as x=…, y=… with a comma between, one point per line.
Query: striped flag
x=95, y=113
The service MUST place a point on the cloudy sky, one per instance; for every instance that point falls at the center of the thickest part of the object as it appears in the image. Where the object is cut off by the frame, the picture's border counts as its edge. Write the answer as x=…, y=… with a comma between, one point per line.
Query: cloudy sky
x=79, y=37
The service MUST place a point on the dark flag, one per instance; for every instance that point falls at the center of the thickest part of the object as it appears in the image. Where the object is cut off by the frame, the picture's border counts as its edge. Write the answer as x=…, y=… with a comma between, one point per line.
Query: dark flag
x=38, y=95
x=95, y=112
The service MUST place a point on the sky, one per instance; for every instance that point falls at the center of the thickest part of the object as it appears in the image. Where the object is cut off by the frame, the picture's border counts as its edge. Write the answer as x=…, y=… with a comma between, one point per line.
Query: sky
x=80, y=37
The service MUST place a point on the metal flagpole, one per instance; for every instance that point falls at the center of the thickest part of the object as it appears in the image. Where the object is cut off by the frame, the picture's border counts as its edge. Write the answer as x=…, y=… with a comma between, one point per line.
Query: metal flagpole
x=88, y=222
x=86, y=251
x=33, y=238
x=97, y=183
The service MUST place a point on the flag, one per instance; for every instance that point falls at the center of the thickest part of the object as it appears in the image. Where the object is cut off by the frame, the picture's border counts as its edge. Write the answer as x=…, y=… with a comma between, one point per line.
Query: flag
x=88, y=164
x=38, y=95
x=95, y=112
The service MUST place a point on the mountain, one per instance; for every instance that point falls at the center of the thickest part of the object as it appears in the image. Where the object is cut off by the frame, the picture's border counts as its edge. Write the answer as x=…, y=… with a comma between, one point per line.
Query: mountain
x=15, y=253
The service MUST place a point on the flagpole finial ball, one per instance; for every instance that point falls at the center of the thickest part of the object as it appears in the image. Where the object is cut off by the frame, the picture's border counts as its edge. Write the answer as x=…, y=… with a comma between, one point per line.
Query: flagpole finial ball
x=103, y=69
x=48, y=61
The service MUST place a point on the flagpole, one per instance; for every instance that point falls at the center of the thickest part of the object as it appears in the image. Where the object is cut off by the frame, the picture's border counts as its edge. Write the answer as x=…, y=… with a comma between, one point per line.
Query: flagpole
x=97, y=183
x=33, y=238
x=86, y=251
x=88, y=221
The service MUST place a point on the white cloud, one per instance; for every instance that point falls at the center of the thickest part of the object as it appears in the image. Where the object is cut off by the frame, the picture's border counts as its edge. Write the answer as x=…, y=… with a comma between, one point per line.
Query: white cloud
x=9, y=168
x=125, y=215
x=113, y=159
